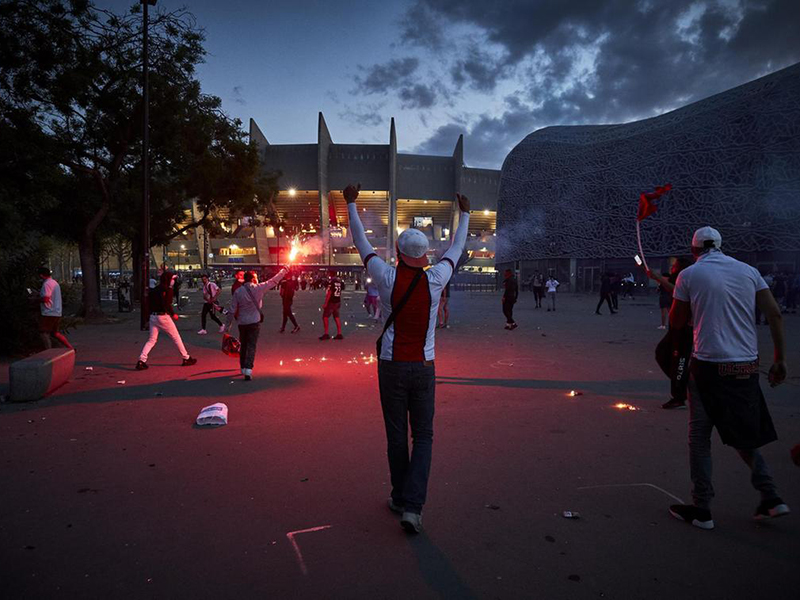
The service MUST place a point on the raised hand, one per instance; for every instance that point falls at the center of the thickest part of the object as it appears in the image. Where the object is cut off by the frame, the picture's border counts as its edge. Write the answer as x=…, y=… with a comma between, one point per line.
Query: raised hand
x=351, y=193
x=463, y=202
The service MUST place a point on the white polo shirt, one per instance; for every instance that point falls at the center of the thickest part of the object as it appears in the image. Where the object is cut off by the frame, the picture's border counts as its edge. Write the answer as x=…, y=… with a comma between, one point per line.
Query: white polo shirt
x=722, y=293
x=51, y=308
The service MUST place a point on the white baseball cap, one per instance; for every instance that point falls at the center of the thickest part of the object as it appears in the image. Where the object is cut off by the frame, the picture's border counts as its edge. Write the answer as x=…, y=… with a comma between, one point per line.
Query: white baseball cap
x=706, y=234
x=413, y=245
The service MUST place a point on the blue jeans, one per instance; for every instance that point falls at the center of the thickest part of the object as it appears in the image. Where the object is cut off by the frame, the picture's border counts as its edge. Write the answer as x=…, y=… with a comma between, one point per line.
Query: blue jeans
x=700, y=428
x=407, y=396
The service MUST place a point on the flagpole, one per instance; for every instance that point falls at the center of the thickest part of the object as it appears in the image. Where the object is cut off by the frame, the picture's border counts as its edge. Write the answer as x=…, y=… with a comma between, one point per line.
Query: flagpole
x=639, y=239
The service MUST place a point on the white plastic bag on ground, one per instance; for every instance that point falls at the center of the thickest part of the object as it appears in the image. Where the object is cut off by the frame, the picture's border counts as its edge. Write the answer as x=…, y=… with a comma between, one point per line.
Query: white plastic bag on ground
x=214, y=415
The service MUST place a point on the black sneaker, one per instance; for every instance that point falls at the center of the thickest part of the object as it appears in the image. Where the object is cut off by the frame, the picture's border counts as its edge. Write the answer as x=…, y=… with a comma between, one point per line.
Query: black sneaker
x=188, y=362
x=296, y=329
x=769, y=509
x=674, y=404
x=693, y=515
x=281, y=330
x=339, y=337
x=513, y=326
x=324, y=337
x=141, y=366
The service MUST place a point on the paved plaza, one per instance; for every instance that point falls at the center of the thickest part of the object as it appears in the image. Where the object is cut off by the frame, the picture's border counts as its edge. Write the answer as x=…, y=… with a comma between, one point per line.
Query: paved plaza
x=109, y=491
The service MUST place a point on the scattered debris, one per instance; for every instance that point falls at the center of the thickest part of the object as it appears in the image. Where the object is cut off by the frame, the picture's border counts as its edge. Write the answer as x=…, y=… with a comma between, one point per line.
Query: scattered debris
x=89, y=369
x=569, y=514
x=574, y=577
x=550, y=539
x=574, y=393
x=215, y=415
x=158, y=394
x=492, y=506
x=304, y=479
x=121, y=382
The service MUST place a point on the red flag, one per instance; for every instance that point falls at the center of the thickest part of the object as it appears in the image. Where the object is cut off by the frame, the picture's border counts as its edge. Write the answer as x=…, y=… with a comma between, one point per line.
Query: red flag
x=332, y=220
x=647, y=205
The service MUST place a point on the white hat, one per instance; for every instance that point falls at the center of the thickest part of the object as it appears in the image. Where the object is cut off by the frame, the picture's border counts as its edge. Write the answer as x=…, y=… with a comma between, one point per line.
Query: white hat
x=706, y=234
x=413, y=245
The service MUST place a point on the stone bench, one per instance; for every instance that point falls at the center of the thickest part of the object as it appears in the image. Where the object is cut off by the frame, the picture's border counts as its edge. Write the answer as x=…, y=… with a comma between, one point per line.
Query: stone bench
x=36, y=376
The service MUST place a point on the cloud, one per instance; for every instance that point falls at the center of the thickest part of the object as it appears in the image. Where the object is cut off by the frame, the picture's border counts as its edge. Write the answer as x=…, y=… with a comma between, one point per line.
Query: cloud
x=585, y=61
x=381, y=78
x=417, y=96
x=365, y=115
x=237, y=94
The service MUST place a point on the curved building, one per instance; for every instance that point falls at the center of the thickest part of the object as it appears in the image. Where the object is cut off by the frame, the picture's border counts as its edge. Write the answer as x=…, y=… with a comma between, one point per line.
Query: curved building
x=569, y=195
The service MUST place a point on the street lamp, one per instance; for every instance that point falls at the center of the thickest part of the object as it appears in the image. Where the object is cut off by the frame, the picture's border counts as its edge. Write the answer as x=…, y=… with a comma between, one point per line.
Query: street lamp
x=144, y=285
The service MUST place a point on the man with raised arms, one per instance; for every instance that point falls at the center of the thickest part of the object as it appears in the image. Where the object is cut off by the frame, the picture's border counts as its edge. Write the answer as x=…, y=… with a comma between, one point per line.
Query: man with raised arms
x=409, y=295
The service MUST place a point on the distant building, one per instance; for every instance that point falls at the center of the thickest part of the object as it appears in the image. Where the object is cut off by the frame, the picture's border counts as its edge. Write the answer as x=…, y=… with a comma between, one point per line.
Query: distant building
x=398, y=191
x=568, y=195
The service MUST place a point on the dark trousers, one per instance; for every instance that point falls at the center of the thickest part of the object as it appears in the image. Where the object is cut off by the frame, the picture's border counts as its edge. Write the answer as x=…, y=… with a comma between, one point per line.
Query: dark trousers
x=508, y=311
x=604, y=298
x=248, y=336
x=208, y=311
x=407, y=396
x=287, y=314
x=615, y=300
x=538, y=294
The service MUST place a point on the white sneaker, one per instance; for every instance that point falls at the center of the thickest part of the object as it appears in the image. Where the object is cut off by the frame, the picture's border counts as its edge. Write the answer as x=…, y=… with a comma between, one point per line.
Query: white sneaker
x=222, y=328
x=202, y=332
x=411, y=522
x=662, y=326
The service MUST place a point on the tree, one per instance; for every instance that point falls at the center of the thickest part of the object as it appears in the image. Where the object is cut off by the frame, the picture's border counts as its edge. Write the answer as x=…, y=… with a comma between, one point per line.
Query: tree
x=76, y=70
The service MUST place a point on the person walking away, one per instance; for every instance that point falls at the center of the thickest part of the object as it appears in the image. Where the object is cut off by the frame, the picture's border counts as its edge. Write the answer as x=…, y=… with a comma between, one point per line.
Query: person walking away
x=406, y=372
x=552, y=287
x=210, y=294
x=162, y=318
x=673, y=352
x=246, y=306
x=50, y=308
x=510, y=293
x=720, y=293
x=616, y=284
x=331, y=306
x=605, y=294
x=177, y=290
x=287, y=290
x=444, y=307
x=538, y=288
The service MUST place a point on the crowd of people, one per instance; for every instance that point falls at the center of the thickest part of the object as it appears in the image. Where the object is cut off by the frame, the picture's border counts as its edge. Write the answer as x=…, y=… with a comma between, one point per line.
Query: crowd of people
x=709, y=352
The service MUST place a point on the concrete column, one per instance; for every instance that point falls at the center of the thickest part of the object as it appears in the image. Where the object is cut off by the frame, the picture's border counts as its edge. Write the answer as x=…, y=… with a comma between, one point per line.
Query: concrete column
x=391, y=233
x=324, y=143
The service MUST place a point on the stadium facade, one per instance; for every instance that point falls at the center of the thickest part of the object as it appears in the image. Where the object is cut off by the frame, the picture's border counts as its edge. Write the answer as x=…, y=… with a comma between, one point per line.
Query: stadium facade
x=398, y=191
x=569, y=194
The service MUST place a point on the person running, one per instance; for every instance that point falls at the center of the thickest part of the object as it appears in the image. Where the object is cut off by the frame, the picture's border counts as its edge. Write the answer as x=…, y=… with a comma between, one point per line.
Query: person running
x=162, y=318
x=444, y=307
x=246, y=306
x=288, y=288
x=673, y=353
x=510, y=293
x=211, y=292
x=552, y=287
x=721, y=293
x=616, y=286
x=538, y=288
x=331, y=306
x=605, y=294
x=406, y=373
x=51, y=308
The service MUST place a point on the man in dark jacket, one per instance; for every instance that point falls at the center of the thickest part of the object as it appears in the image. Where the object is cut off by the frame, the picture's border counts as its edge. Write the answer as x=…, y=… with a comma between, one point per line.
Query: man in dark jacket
x=510, y=293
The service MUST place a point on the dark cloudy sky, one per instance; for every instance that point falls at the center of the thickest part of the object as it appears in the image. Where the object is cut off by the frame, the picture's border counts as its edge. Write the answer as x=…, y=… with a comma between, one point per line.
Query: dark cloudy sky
x=493, y=70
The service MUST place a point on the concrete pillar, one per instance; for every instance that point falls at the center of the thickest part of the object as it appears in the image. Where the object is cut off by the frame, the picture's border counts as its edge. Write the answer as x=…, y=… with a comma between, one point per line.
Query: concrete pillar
x=324, y=143
x=391, y=233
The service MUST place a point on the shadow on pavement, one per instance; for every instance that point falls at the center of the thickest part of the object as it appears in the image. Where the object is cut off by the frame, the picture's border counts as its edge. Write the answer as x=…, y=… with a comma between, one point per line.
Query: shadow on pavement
x=612, y=387
x=436, y=570
x=215, y=388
